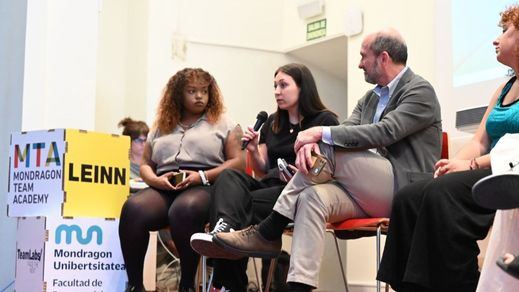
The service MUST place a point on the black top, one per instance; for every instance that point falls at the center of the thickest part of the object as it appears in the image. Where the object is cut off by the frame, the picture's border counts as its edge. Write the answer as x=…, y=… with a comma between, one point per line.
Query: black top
x=281, y=145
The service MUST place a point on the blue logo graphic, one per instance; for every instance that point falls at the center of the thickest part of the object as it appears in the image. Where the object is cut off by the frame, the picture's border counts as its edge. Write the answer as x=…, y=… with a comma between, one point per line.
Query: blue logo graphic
x=70, y=229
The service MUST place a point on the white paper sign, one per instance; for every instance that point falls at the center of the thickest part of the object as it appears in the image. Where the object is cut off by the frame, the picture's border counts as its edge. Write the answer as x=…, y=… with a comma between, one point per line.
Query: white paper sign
x=36, y=173
x=30, y=238
x=84, y=255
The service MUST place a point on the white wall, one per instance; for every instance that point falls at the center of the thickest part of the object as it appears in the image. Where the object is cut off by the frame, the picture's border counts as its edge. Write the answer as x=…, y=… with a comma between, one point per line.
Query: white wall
x=12, y=50
x=121, y=63
x=244, y=73
x=60, y=64
x=241, y=50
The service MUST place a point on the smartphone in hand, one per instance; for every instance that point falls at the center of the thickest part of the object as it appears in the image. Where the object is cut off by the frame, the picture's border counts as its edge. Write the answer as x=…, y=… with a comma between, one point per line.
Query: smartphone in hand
x=177, y=178
x=283, y=167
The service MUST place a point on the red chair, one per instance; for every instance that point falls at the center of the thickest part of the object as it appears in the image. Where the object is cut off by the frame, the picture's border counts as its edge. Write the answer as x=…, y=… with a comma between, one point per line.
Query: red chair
x=362, y=227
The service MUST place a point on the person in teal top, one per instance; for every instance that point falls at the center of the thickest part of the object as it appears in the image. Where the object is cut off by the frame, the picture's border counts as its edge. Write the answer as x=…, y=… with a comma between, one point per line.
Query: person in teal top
x=435, y=223
x=504, y=118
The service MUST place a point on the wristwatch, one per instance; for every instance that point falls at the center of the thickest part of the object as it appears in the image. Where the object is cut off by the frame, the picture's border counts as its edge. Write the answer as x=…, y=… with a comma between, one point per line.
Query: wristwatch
x=203, y=177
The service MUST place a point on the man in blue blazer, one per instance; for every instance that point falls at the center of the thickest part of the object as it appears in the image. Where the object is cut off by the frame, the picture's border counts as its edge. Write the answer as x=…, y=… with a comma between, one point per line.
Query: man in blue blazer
x=392, y=138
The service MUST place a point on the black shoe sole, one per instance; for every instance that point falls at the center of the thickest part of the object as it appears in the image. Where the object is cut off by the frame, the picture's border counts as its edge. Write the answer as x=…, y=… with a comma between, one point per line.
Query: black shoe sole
x=497, y=191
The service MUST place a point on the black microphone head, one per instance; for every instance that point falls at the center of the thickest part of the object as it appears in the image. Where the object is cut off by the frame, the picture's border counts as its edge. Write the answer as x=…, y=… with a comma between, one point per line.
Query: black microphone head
x=260, y=119
x=262, y=116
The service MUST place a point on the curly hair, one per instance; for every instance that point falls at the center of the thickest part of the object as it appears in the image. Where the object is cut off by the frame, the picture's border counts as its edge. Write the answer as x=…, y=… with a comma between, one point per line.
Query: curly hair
x=510, y=15
x=133, y=128
x=170, y=107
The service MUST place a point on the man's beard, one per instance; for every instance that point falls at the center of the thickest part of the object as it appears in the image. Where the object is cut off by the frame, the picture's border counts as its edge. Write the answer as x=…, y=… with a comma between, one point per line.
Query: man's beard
x=374, y=76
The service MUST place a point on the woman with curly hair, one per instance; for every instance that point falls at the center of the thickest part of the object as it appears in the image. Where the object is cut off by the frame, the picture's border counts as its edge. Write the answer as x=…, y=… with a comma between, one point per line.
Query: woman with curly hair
x=190, y=136
x=435, y=224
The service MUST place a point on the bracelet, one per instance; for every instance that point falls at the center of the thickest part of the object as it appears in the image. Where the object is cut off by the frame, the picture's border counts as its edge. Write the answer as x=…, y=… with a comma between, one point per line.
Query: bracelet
x=203, y=177
x=474, y=164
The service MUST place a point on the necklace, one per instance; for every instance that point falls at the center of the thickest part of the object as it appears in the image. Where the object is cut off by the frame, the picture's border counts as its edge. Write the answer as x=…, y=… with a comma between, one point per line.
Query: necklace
x=292, y=128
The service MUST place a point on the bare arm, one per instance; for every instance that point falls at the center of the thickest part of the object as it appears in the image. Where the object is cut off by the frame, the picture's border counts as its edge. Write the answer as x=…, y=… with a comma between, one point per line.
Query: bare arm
x=235, y=156
x=260, y=163
x=258, y=152
x=477, y=148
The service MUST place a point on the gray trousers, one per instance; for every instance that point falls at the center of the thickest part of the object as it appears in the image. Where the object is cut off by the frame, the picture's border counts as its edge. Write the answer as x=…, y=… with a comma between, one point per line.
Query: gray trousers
x=354, y=184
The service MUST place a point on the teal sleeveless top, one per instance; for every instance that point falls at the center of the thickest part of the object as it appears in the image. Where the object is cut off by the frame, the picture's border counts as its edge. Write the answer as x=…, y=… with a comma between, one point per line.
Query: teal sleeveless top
x=503, y=118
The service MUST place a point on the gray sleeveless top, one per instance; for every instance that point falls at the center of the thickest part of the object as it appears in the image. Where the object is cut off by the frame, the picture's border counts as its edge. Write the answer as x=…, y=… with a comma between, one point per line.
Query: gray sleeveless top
x=201, y=146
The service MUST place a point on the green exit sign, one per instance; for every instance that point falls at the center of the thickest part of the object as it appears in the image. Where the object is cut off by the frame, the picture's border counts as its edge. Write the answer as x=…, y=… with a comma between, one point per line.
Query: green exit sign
x=316, y=29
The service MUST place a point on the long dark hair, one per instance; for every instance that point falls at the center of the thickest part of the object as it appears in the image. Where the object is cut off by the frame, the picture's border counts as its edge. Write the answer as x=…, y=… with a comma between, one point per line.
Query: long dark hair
x=309, y=102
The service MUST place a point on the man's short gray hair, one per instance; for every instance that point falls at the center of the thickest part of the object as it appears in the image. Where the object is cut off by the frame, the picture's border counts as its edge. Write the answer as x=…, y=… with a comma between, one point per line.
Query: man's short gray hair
x=394, y=46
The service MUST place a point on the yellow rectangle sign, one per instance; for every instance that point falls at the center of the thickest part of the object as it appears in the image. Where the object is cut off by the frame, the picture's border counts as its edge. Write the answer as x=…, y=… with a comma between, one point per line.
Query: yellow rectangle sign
x=96, y=174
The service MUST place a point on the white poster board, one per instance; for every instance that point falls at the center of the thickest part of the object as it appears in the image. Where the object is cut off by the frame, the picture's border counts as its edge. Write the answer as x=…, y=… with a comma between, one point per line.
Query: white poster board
x=84, y=255
x=36, y=173
x=30, y=242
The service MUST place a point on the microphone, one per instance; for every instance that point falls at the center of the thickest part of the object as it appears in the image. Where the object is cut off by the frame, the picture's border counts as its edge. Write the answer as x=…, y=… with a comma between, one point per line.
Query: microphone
x=260, y=119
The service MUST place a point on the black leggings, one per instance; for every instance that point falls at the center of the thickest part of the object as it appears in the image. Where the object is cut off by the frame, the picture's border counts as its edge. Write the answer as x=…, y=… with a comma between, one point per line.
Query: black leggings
x=151, y=209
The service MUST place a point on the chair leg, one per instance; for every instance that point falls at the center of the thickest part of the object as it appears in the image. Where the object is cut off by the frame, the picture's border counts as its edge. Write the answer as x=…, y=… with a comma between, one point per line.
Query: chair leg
x=272, y=267
x=204, y=273
x=198, y=280
x=175, y=259
x=378, y=254
x=257, y=275
x=340, y=262
x=210, y=280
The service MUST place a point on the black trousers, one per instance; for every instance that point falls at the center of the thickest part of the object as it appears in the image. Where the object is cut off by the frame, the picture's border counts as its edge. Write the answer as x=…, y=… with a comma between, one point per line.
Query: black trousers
x=240, y=200
x=431, y=243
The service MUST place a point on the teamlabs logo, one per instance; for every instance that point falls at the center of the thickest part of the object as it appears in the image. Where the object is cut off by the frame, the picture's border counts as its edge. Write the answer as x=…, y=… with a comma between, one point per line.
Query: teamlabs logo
x=70, y=230
x=32, y=257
